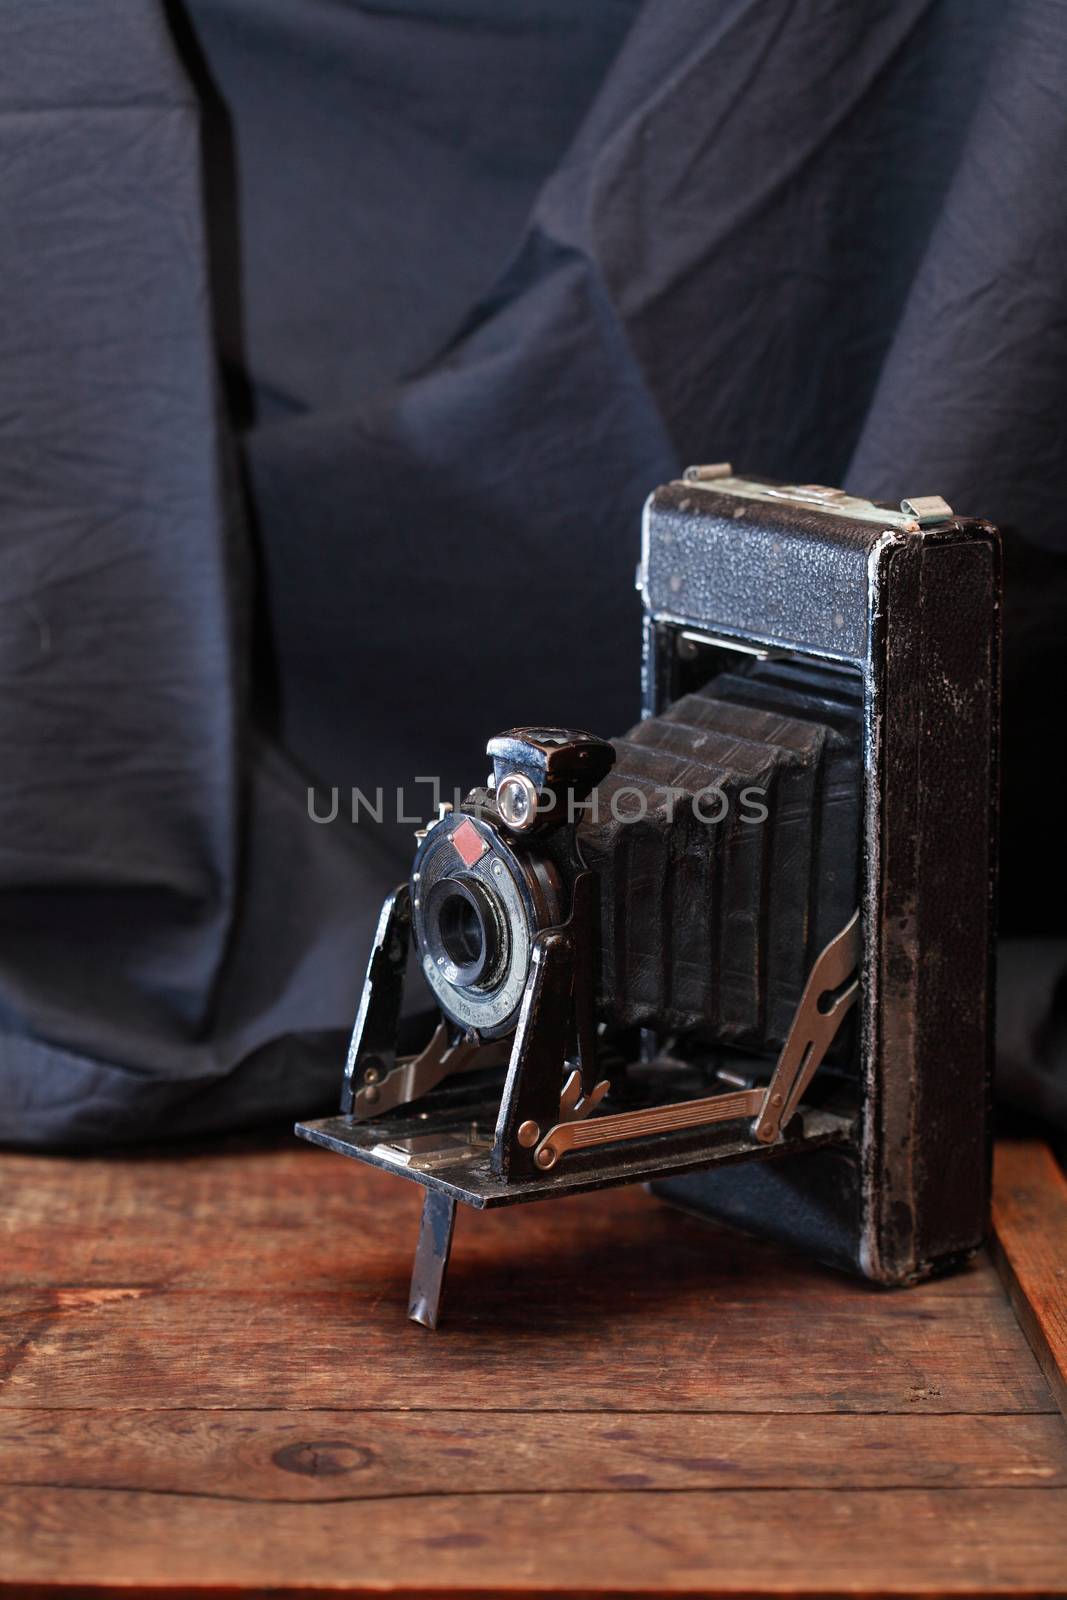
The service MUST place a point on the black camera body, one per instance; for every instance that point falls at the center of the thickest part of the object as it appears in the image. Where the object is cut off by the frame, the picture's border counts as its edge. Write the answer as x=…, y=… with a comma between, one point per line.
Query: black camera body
x=743, y=954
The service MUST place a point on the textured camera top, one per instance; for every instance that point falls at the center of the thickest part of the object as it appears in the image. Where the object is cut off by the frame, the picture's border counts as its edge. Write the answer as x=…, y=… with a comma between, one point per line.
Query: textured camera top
x=788, y=566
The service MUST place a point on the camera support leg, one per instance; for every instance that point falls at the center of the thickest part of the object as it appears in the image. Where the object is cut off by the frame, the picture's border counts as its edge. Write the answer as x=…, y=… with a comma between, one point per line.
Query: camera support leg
x=431, y=1257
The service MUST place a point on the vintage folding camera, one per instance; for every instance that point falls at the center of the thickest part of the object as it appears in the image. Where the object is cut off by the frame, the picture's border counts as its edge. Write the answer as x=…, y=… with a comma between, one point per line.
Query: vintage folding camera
x=743, y=954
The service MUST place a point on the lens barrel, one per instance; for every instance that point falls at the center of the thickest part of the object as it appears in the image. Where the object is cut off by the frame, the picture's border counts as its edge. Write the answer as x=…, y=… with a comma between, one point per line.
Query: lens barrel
x=479, y=898
x=465, y=924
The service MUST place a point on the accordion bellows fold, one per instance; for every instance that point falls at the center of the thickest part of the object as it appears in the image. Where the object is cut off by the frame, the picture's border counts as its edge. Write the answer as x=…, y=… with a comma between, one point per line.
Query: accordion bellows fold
x=726, y=841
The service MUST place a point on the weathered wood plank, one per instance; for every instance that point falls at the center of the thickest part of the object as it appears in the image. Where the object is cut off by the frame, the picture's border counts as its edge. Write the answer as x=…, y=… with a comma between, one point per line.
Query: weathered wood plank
x=291, y=1216
x=685, y=1351
x=362, y=1455
x=899, y=1542
x=1030, y=1221
x=622, y=1401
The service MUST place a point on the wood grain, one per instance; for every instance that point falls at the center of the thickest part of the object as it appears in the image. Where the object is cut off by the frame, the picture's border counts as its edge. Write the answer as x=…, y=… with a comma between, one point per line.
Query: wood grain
x=367, y=1455
x=296, y=1217
x=208, y=1384
x=1030, y=1223
x=795, y=1542
x=132, y=1346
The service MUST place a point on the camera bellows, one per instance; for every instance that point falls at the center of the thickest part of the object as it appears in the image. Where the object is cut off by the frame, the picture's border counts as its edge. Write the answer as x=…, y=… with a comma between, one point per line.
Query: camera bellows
x=726, y=844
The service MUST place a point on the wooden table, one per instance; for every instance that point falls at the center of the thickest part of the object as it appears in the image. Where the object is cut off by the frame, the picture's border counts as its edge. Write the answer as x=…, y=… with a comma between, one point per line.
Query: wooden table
x=208, y=1382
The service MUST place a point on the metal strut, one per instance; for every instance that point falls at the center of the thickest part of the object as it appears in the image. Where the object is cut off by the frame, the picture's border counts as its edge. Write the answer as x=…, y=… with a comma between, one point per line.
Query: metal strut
x=828, y=996
x=431, y=1257
x=831, y=989
x=556, y=1010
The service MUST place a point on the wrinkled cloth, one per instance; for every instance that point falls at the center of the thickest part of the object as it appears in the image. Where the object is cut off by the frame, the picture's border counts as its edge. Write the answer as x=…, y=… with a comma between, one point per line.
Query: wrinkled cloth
x=340, y=345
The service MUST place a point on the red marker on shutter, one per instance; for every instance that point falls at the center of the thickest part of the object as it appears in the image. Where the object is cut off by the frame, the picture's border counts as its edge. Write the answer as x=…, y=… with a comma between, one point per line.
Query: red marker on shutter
x=469, y=843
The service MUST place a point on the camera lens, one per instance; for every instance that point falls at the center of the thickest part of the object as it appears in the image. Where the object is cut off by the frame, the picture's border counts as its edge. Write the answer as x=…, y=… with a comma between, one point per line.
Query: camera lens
x=479, y=896
x=463, y=931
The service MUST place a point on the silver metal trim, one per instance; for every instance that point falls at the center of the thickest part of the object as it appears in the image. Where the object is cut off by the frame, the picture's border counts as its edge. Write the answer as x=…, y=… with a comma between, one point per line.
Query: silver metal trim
x=521, y=783
x=722, y=641
x=928, y=510
x=813, y=497
x=426, y=1152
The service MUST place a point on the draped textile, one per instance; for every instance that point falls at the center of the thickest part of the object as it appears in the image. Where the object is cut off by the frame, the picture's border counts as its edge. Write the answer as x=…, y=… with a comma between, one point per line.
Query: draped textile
x=340, y=344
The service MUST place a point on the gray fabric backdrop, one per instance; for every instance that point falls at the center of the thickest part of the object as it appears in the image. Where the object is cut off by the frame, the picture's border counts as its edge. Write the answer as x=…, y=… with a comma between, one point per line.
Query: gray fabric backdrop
x=339, y=346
